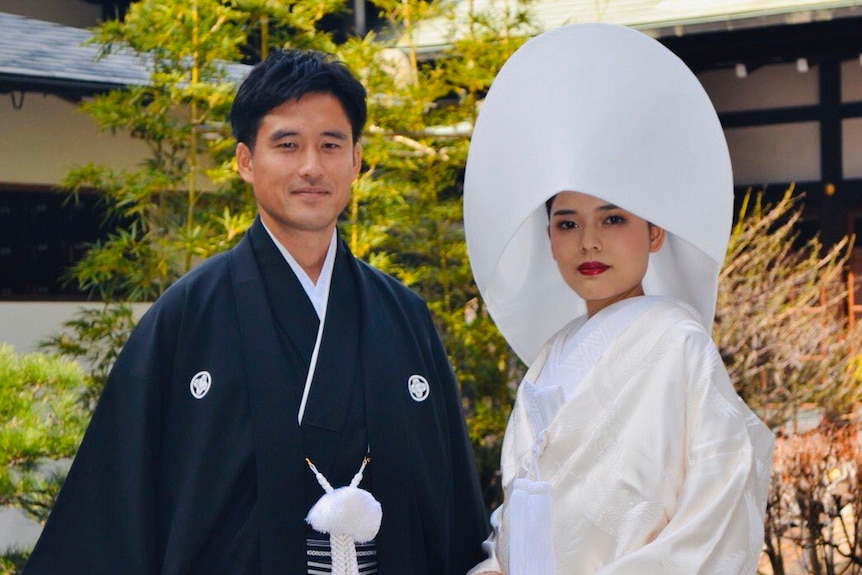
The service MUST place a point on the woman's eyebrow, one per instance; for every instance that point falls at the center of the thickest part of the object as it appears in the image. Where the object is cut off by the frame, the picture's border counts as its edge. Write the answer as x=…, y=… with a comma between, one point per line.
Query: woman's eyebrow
x=570, y=211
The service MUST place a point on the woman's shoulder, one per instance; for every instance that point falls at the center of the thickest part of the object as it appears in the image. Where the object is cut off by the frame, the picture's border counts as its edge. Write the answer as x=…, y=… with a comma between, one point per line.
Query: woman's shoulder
x=672, y=321
x=674, y=311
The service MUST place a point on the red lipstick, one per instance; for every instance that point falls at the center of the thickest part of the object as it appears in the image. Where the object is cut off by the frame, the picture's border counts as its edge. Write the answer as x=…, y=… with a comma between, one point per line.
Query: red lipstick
x=592, y=268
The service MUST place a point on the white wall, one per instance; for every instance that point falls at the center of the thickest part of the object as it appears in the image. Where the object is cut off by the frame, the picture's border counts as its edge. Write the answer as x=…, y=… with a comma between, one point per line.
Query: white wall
x=851, y=129
x=48, y=136
x=783, y=152
x=775, y=86
x=764, y=154
x=26, y=324
x=780, y=153
x=16, y=530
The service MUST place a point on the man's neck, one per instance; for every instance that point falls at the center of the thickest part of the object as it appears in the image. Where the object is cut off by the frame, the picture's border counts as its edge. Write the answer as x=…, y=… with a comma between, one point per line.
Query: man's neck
x=307, y=248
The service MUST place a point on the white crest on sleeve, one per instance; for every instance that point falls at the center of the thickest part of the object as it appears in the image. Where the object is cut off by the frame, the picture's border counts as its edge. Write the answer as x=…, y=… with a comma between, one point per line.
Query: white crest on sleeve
x=418, y=387
x=200, y=384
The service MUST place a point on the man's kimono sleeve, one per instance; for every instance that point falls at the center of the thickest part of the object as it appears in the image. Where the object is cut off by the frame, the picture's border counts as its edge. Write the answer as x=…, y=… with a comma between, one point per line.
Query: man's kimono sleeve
x=105, y=518
x=467, y=518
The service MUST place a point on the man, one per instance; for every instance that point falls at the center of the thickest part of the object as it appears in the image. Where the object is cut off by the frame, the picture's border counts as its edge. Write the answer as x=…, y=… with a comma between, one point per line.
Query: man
x=197, y=460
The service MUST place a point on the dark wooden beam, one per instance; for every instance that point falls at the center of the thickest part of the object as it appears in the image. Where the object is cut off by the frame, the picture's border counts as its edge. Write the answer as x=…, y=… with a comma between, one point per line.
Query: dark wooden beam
x=841, y=38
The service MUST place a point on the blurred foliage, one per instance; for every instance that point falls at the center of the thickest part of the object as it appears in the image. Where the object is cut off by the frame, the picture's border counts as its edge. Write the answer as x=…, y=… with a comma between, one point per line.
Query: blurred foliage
x=12, y=561
x=44, y=414
x=781, y=321
x=94, y=338
x=183, y=202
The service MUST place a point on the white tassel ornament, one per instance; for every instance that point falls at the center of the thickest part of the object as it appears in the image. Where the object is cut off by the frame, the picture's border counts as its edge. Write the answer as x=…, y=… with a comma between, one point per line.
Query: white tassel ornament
x=531, y=539
x=349, y=515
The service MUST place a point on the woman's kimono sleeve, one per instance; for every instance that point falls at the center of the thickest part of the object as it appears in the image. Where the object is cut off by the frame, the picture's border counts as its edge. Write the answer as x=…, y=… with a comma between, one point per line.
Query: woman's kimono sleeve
x=716, y=526
x=489, y=546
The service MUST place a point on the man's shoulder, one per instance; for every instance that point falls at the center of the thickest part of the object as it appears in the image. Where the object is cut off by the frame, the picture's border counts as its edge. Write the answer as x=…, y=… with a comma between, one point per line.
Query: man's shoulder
x=195, y=287
x=214, y=266
x=384, y=283
x=210, y=272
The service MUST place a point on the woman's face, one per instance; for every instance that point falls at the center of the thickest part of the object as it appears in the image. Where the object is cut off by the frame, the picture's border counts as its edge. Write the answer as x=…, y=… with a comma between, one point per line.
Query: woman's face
x=601, y=250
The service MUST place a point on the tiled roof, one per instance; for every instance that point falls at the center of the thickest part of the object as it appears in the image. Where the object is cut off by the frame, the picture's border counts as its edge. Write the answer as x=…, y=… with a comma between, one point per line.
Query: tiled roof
x=41, y=54
x=656, y=17
x=663, y=14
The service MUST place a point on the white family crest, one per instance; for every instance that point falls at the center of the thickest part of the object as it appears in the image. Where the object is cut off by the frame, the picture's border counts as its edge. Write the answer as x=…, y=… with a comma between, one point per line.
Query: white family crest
x=200, y=384
x=419, y=388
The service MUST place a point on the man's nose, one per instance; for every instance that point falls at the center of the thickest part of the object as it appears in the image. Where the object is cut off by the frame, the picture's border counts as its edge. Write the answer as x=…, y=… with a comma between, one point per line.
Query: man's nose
x=311, y=165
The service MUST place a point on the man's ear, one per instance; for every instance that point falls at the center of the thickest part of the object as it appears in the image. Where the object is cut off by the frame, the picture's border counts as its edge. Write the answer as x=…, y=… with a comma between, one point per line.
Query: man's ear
x=656, y=238
x=357, y=158
x=245, y=162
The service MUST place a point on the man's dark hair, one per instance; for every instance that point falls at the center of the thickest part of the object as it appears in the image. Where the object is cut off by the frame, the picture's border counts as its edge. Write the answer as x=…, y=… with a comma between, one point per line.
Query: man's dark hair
x=289, y=75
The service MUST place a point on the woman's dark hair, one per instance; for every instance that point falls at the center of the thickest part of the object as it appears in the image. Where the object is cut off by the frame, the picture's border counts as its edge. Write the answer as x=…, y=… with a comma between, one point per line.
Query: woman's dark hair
x=548, y=203
x=289, y=75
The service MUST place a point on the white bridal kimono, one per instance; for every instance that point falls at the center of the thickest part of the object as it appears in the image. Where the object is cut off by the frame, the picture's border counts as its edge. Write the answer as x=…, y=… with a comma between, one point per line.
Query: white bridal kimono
x=655, y=465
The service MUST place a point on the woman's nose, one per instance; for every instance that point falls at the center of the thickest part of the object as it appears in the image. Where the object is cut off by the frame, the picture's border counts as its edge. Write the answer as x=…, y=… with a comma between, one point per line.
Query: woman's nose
x=590, y=240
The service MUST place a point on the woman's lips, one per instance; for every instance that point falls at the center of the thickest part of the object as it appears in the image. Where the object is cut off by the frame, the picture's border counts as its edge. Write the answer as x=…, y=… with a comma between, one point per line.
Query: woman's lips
x=592, y=268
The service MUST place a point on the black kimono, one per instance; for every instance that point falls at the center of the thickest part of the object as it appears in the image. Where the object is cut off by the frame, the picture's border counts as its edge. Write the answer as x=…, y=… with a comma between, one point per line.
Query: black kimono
x=194, y=462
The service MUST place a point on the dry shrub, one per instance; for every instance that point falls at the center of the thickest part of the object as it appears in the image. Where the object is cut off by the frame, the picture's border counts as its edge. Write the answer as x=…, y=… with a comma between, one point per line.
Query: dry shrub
x=815, y=503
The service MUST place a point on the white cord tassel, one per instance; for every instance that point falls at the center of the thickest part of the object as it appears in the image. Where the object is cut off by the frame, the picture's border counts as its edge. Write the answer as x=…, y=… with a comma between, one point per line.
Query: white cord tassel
x=349, y=515
x=531, y=540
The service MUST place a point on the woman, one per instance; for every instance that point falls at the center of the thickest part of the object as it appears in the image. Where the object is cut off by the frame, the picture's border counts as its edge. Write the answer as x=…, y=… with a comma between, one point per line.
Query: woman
x=598, y=205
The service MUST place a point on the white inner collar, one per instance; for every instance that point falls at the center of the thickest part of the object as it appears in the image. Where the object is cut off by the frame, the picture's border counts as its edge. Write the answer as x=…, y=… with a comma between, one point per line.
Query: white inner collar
x=318, y=293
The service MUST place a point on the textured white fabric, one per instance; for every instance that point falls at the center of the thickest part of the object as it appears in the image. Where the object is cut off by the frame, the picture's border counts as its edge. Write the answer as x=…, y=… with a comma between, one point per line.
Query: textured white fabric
x=531, y=549
x=572, y=355
x=607, y=111
x=656, y=466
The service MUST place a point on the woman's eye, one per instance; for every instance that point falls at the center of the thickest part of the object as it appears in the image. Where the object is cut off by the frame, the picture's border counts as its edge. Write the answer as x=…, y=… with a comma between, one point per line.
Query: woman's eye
x=615, y=219
x=567, y=225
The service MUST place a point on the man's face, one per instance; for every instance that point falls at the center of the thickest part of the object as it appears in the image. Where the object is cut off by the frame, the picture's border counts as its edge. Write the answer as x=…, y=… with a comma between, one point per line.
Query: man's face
x=302, y=166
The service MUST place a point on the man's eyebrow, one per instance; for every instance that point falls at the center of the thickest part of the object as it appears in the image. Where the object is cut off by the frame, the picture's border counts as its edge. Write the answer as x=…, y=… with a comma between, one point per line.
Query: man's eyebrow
x=337, y=134
x=279, y=134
